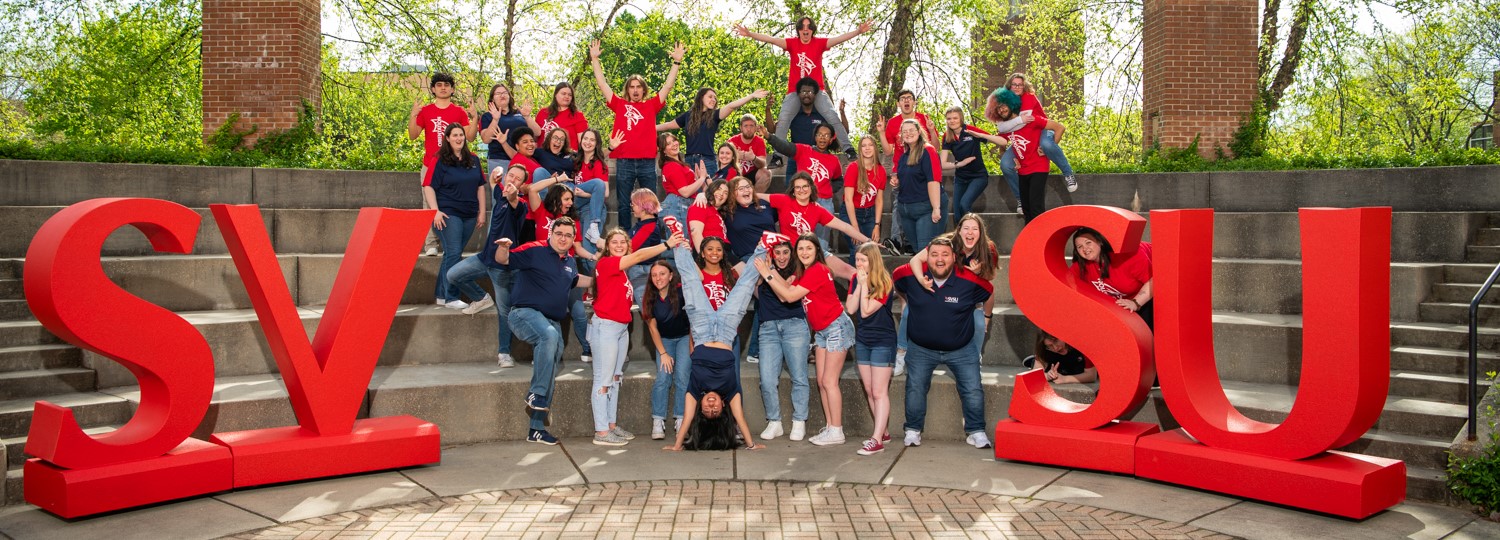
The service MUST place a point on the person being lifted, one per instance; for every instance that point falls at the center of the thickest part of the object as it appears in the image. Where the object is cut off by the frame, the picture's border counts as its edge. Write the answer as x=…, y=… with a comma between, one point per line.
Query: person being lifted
x=806, y=52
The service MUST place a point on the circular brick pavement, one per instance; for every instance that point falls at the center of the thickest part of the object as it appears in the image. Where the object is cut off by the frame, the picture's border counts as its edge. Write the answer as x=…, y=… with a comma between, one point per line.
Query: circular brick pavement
x=732, y=509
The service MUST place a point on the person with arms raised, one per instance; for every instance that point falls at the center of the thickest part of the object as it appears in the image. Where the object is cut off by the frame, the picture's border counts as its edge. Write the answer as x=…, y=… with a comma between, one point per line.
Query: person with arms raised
x=806, y=51
x=701, y=125
x=635, y=125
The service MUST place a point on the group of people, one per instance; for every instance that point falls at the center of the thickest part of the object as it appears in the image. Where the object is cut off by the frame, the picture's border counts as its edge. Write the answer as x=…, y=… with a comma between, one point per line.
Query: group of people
x=690, y=261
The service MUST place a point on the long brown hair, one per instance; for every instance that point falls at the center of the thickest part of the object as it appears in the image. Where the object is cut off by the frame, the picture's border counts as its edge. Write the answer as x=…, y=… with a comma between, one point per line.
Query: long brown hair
x=949, y=134
x=1104, y=251
x=699, y=114
x=661, y=149
x=599, y=154
x=984, y=249
x=861, y=172
x=674, y=290
x=552, y=108
x=797, y=266
x=911, y=150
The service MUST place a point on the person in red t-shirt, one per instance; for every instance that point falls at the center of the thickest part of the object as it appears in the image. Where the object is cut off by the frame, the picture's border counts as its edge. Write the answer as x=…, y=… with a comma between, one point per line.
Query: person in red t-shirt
x=1123, y=279
x=1031, y=163
x=751, y=149
x=560, y=114
x=819, y=163
x=806, y=52
x=429, y=121
x=718, y=278
x=705, y=221
x=906, y=103
x=864, y=191
x=635, y=123
x=1030, y=105
x=609, y=331
x=833, y=331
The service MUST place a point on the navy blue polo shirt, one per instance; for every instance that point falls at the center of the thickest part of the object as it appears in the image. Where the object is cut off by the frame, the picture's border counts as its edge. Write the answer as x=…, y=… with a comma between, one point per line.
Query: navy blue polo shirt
x=543, y=279
x=942, y=320
x=914, y=178
x=553, y=162
x=703, y=141
x=457, y=187
x=771, y=308
x=505, y=222
x=804, y=126
x=671, y=321
x=714, y=371
x=506, y=123
x=879, y=329
x=746, y=225
x=965, y=147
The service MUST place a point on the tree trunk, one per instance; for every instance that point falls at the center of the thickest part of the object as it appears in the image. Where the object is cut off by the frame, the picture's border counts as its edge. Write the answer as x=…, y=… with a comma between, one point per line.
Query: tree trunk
x=893, y=63
x=1291, y=56
x=510, y=36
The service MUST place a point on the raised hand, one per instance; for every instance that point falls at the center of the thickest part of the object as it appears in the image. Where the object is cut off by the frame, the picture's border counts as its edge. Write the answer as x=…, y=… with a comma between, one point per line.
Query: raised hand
x=866, y=26
x=525, y=109
x=677, y=52
x=760, y=94
x=761, y=131
x=416, y=106
x=762, y=266
x=509, y=191
x=740, y=30
x=700, y=171
x=594, y=49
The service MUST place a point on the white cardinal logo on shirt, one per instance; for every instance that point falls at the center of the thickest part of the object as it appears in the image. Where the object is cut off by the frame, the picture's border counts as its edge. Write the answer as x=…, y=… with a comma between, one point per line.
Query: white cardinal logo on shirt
x=632, y=116
x=629, y=292
x=818, y=172
x=867, y=196
x=717, y=295
x=805, y=65
x=438, y=126
x=1107, y=289
x=547, y=225
x=799, y=222
x=1020, y=144
x=549, y=126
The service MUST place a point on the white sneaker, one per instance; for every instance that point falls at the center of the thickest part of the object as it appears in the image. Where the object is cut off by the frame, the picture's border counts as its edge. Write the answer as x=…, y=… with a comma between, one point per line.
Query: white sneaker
x=900, y=364
x=506, y=360
x=431, y=252
x=592, y=234
x=829, y=437
x=456, y=304
x=440, y=302
x=977, y=438
x=799, y=430
x=658, y=429
x=913, y=438
x=481, y=305
x=751, y=359
x=677, y=425
x=1072, y=183
x=1019, y=210
x=587, y=359
x=773, y=430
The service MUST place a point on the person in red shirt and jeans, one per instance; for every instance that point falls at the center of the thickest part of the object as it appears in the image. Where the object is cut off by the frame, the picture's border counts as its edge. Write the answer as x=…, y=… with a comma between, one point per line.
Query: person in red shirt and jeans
x=635, y=123
x=806, y=52
x=429, y=121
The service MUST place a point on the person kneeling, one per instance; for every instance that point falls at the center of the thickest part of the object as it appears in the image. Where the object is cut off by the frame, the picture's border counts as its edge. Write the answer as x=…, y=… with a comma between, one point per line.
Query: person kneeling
x=1062, y=364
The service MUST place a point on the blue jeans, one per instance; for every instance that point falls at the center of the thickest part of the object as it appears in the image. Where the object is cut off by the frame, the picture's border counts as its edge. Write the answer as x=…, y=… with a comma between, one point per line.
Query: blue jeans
x=963, y=365
x=710, y=163
x=629, y=175
x=883, y=356
x=1049, y=148
x=638, y=275
x=916, y=218
x=710, y=325
x=675, y=383
x=580, y=316
x=866, y=219
x=545, y=337
x=787, y=342
x=454, y=236
x=594, y=211
x=753, y=349
x=463, y=275
x=965, y=192
x=613, y=339
x=823, y=233
x=676, y=206
x=978, y=342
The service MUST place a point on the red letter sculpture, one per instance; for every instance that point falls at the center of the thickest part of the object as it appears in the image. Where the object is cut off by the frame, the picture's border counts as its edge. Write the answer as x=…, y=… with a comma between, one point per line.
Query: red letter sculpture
x=1043, y=426
x=328, y=378
x=1345, y=371
x=149, y=459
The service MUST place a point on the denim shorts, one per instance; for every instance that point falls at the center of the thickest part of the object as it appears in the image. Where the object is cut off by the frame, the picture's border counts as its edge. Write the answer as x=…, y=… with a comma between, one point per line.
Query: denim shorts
x=880, y=356
x=838, y=336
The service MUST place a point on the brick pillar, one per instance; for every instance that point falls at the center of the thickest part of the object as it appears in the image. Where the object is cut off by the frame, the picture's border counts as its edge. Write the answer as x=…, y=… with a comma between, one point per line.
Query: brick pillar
x=1199, y=73
x=261, y=58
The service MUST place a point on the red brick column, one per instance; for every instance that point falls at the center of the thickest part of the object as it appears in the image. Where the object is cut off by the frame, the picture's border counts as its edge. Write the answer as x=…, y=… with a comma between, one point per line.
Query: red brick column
x=1199, y=74
x=261, y=58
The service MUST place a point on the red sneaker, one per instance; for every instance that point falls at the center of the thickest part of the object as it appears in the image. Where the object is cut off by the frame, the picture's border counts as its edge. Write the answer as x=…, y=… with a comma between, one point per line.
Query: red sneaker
x=886, y=437
x=674, y=226
x=769, y=239
x=870, y=448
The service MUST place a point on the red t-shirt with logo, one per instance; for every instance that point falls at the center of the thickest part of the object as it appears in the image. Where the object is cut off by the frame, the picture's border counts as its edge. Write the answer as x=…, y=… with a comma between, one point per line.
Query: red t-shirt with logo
x=716, y=289
x=674, y=177
x=1127, y=274
x=713, y=223
x=878, y=181
x=893, y=132
x=615, y=294
x=807, y=61
x=756, y=146
x=823, y=167
x=530, y=164
x=1025, y=144
x=595, y=169
x=434, y=121
x=822, y=301
x=637, y=120
x=798, y=219
x=572, y=122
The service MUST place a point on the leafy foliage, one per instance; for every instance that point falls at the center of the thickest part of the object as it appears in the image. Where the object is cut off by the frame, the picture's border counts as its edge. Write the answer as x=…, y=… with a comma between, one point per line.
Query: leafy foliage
x=1477, y=479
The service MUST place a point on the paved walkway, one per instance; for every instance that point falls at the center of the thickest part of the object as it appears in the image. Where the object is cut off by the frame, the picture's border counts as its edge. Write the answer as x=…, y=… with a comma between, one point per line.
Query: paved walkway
x=514, y=489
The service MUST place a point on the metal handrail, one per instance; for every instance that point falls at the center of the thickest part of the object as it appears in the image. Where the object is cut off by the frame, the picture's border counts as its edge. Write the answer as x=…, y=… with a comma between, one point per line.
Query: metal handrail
x=1474, y=352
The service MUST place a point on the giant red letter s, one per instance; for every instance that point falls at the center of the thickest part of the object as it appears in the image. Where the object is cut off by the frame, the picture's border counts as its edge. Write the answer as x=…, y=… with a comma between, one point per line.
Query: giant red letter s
x=149, y=459
x=1345, y=371
x=1048, y=428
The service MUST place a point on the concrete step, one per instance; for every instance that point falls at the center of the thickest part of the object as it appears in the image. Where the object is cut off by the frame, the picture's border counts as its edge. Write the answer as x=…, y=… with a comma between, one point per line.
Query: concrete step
x=25, y=333
x=1456, y=313
x=1467, y=273
x=1483, y=254
x=1443, y=336
x=1432, y=386
x=29, y=357
x=11, y=310
x=90, y=409
x=11, y=268
x=1487, y=236
x=1441, y=361
x=12, y=289
x=1416, y=451
x=45, y=382
x=1464, y=293
x=1429, y=484
x=1401, y=415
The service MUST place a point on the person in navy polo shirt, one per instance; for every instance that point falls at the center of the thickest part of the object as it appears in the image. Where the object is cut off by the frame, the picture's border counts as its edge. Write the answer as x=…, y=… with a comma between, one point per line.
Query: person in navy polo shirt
x=507, y=221
x=544, y=273
x=942, y=324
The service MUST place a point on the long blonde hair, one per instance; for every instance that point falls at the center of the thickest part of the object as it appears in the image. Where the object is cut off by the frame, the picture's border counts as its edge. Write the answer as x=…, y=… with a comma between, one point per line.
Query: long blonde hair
x=863, y=185
x=911, y=151
x=880, y=279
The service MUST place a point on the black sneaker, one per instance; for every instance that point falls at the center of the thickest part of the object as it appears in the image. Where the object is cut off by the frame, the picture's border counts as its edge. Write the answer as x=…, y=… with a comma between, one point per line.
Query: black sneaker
x=540, y=436
x=890, y=247
x=849, y=154
x=777, y=162
x=536, y=403
x=1029, y=361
